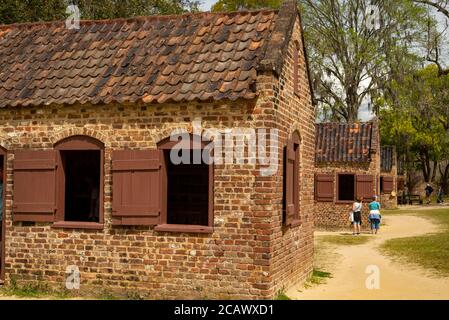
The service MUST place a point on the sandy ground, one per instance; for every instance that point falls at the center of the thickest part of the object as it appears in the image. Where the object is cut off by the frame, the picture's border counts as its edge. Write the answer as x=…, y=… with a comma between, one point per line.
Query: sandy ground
x=397, y=281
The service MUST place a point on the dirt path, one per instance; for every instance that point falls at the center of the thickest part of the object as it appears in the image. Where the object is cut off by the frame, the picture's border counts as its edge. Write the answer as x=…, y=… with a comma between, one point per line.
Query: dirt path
x=397, y=281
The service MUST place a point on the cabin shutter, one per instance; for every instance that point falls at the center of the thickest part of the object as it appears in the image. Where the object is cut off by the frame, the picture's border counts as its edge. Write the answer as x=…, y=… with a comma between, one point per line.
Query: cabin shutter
x=324, y=187
x=365, y=186
x=34, y=186
x=289, y=180
x=387, y=184
x=136, y=191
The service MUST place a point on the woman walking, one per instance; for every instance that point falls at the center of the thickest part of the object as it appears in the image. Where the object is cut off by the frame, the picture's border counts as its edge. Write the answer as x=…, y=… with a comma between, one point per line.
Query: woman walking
x=357, y=215
x=374, y=216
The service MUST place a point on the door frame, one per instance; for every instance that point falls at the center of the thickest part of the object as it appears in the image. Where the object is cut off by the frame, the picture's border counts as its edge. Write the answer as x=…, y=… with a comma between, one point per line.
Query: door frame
x=3, y=154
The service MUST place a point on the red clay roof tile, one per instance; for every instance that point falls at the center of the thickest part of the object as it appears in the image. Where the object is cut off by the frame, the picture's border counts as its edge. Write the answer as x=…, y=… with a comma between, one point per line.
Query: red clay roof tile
x=344, y=142
x=153, y=59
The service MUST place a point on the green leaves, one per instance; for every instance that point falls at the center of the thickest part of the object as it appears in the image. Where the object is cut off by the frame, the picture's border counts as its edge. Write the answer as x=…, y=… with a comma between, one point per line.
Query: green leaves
x=236, y=5
x=417, y=119
x=14, y=11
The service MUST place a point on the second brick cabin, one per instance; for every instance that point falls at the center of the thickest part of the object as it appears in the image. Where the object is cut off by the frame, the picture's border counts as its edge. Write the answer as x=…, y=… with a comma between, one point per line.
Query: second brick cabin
x=350, y=162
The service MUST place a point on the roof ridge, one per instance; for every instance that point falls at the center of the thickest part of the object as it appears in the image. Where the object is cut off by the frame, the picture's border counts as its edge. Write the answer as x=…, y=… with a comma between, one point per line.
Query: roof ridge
x=277, y=45
x=136, y=18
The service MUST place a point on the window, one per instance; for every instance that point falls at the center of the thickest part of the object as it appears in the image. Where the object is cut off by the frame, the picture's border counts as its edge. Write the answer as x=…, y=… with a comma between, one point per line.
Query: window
x=187, y=190
x=79, y=181
x=381, y=183
x=350, y=185
x=291, y=180
x=346, y=187
x=82, y=184
x=296, y=68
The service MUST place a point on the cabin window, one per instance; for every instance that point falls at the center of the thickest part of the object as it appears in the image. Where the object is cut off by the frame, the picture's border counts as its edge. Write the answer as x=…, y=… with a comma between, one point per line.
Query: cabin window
x=187, y=189
x=187, y=192
x=79, y=180
x=82, y=184
x=296, y=69
x=346, y=187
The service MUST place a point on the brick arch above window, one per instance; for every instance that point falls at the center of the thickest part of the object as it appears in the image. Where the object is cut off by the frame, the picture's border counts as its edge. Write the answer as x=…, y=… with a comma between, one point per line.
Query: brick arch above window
x=296, y=127
x=167, y=143
x=5, y=143
x=162, y=134
x=295, y=137
x=79, y=142
x=80, y=131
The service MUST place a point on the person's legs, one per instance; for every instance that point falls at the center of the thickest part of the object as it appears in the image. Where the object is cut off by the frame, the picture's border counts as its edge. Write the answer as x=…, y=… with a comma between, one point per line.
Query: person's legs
x=373, y=226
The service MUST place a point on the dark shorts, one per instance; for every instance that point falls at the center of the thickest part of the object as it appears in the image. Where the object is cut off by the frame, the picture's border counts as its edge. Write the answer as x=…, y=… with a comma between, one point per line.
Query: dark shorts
x=375, y=223
x=358, y=217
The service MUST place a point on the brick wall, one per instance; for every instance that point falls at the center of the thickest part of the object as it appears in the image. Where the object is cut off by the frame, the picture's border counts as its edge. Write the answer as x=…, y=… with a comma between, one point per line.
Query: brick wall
x=231, y=262
x=293, y=246
x=390, y=200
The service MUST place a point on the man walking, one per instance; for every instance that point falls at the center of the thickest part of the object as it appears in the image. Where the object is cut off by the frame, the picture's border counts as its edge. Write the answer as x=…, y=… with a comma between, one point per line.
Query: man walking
x=428, y=191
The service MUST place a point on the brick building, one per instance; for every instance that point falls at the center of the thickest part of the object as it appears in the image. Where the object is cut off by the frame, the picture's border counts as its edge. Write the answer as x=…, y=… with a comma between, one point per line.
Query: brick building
x=389, y=179
x=85, y=121
x=348, y=164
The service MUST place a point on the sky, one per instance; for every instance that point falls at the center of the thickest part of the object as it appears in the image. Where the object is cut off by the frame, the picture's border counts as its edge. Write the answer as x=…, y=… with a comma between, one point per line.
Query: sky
x=206, y=4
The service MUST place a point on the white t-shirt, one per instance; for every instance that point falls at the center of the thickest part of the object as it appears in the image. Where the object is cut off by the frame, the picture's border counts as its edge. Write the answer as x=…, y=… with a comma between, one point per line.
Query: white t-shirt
x=357, y=206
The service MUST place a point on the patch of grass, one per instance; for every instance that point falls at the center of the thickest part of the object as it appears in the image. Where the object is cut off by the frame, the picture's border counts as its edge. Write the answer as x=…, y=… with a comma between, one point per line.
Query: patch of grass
x=430, y=251
x=282, y=296
x=106, y=295
x=37, y=290
x=317, y=277
x=134, y=296
x=345, y=240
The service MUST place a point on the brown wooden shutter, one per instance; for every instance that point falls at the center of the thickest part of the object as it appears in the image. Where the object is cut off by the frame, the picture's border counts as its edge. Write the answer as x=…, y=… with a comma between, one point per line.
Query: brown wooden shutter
x=365, y=186
x=387, y=184
x=289, y=172
x=34, y=186
x=324, y=187
x=136, y=191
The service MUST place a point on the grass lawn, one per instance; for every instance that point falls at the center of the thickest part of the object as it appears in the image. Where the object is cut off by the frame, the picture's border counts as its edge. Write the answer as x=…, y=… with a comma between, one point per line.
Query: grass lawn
x=429, y=251
x=348, y=240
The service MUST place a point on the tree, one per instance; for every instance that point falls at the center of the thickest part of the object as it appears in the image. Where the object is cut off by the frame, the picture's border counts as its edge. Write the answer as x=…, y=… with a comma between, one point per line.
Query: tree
x=13, y=11
x=352, y=59
x=236, y=5
x=418, y=123
x=440, y=5
x=435, y=37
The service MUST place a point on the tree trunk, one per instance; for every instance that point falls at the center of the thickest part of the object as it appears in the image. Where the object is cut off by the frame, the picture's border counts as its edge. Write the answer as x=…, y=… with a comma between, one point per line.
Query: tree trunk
x=434, y=171
x=425, y=164
x=445, y=179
